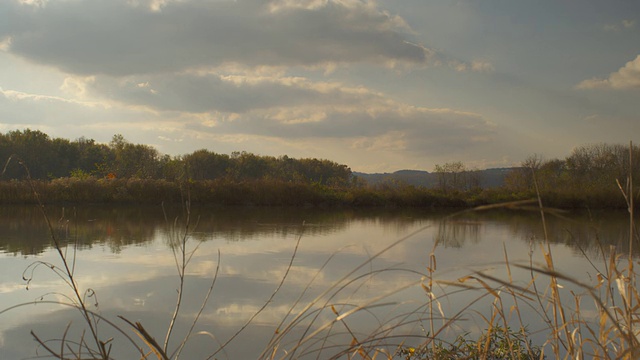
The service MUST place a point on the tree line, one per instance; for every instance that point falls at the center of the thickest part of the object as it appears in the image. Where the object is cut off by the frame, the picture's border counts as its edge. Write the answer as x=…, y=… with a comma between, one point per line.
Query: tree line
x=83, y=170
x=52, y=158
x=595, y=174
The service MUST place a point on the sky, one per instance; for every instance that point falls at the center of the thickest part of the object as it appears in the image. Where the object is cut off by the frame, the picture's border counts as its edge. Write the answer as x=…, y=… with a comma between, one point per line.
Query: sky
x=378, y=85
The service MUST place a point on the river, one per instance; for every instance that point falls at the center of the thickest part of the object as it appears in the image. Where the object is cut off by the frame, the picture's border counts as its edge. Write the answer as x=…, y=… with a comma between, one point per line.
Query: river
x=348, y=273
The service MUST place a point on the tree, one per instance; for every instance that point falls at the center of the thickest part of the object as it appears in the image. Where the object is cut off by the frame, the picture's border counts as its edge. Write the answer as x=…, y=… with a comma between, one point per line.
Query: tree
x=206, y=165
x=94, y=158
x=133, y=160
x=521, y=178
x=598, y=165
x=594, y=167
x=452, y=176
x=33, y=147
x=64, y=158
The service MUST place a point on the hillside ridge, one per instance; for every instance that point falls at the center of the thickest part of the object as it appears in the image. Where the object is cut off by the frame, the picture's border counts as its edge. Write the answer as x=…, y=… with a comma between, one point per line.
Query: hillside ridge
x=489, y=178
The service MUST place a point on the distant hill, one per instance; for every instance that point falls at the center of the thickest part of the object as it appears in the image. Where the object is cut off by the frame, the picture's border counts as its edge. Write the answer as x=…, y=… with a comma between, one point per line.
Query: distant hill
x=492, y=178
x=411, y=177
x=489, y=178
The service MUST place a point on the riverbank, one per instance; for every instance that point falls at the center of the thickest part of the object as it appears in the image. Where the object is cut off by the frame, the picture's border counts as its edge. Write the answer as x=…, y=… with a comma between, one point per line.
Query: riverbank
x=265, y=192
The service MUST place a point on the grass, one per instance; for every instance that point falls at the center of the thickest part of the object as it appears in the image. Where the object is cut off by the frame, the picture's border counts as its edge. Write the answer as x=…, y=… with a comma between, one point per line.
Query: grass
x=270, y=192
x=259, y=192
x=321, y=327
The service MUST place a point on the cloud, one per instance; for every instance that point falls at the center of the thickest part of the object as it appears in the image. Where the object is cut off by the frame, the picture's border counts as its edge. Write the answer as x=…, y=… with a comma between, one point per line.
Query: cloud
x=72, y=118
x=120, y=37
x=622, y=25
x=230, y=93
x=627, y=77
x=5, y=43
x=391, y=141
x=256, y=75
x=475, y=66
x=19, y=97
x=611, y=27
x=482, y=66
x=368, y=128
x=249, y=105
x=389, y=126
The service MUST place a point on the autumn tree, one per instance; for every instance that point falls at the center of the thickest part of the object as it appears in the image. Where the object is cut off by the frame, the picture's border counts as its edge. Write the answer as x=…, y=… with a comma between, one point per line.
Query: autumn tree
x=521, y=178
x=133, y=160
x=206, y=165
x=52, y=158
x=595, y=167
x=599, y=165
x=456, y=176
x=33, y=148
x=93, y=158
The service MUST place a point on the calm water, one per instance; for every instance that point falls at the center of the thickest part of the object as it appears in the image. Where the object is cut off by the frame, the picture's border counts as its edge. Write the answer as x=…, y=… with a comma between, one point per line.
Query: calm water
x=124, y=255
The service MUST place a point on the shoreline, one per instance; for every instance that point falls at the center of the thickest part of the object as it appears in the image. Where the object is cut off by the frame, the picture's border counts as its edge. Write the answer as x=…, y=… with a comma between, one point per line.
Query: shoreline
x=264, y=192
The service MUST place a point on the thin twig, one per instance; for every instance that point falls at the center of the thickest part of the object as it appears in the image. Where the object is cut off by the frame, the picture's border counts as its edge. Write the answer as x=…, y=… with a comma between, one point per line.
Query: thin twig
x=197, y=317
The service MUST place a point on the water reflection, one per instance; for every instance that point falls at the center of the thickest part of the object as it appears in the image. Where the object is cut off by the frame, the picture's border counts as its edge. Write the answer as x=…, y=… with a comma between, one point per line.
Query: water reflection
x=24, y=231
x=586, y=232
x=123, y=256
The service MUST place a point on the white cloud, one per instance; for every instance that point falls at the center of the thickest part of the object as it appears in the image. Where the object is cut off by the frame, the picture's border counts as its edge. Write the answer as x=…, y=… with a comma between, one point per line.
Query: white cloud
x=5, y=43
x=459, y=66
x=36, y=3
x=164, y=138
x=391, y=141
x=239, y=109
x=18, y=96
x=192, y=93
x=622, y=25
x=267, y=76
x=627, y=77
x=153, y=5
x=390, y=126
x=77, y=86
x=482, y=66
x=475, y=66
x=296, y=108
x=113, y=37
x=71, y=118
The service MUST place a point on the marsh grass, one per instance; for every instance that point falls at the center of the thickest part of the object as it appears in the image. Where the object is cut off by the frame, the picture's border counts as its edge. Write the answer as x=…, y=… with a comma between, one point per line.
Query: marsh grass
x=225, y=192
x=324, y=327
x=611, y=332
